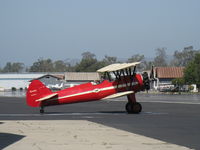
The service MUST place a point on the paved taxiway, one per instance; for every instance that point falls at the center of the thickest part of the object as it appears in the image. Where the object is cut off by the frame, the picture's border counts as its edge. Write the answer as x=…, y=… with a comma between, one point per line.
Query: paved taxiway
x=170, y=118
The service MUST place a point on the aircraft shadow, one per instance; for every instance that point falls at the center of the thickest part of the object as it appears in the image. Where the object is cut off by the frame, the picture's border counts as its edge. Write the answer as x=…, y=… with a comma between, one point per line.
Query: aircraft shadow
x=112, y=112
x=8, y=139
x=82, y=113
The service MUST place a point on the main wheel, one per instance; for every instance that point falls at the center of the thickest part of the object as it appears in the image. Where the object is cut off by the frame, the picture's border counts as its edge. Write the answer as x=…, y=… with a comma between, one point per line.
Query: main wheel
x=137, y=108
x=129, y=108
x=133, y=108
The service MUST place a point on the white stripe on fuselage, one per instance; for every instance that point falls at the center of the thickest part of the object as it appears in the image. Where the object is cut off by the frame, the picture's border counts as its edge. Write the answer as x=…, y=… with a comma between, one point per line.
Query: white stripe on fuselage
x=99, y=89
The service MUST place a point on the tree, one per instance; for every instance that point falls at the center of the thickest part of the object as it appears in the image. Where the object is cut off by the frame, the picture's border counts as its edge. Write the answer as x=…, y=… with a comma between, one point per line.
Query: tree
x=160, y=59
x=183, y=57
x=138, y=58
x=42, y=65
x=17, y=67
x=13, y=67
x=148, y=65
x=88, y=63
x=8, y=67
x=192, y=71
x=60, y=66
x=109, y=60
x=178, y=81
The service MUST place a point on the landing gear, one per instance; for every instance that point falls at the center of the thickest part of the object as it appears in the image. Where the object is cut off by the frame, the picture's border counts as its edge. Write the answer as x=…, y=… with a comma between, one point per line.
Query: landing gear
x=42, y=110
x=133, y=107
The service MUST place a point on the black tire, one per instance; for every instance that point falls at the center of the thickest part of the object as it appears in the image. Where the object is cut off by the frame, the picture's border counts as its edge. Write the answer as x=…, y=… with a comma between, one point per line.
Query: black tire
x=133, y=108
x=137, y=108
x=129, y=107
x=41, y=110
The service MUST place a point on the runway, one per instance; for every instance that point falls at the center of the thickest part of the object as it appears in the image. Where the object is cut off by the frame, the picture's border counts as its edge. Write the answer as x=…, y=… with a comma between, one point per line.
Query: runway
x=169, y=118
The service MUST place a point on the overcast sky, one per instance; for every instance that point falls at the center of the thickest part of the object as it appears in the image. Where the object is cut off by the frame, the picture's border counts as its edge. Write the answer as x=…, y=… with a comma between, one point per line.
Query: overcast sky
x=60, y=29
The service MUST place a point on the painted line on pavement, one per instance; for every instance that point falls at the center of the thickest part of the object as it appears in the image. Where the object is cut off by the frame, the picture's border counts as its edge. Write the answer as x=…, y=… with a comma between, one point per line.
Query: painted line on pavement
x=78, y=114
x=167, y=102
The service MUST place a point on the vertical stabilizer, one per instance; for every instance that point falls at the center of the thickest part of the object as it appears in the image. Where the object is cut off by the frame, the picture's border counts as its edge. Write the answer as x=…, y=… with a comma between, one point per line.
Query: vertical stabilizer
x=36, y=90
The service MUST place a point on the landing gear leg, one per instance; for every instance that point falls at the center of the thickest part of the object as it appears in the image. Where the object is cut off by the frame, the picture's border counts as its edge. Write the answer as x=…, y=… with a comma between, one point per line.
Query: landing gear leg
x=42, y=110
x=133, y=107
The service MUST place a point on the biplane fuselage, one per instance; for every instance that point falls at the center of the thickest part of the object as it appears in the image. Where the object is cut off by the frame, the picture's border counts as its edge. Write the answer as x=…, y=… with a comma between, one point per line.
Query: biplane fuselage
x=87, y=92
x=125, y=83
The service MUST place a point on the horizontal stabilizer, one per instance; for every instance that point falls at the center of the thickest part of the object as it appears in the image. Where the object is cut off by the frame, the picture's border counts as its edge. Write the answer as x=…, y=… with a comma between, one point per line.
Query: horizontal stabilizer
x=47, y=97
x=119, y=94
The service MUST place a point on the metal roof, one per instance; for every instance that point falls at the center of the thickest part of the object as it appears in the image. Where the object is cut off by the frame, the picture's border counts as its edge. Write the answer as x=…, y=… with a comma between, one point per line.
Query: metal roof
x=57, y=76
x=29, y=75
x=169, y=72
x=20, y=75
x=118, y=66
x=81, y=76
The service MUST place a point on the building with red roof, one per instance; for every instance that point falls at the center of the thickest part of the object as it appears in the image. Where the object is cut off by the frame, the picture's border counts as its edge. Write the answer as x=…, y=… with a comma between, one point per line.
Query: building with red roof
x=165, y=75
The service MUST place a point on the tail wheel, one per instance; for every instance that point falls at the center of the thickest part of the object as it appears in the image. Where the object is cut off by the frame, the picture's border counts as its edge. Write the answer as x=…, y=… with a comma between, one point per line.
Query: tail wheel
x=133, y=108
x=42, y=110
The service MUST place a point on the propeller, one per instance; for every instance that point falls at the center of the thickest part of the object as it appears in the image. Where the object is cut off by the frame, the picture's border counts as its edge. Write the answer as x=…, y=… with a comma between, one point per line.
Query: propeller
x=147, y=79
x=152, y=76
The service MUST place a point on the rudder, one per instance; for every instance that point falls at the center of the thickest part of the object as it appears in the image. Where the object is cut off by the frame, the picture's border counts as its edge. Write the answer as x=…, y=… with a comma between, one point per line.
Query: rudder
x=36, y=90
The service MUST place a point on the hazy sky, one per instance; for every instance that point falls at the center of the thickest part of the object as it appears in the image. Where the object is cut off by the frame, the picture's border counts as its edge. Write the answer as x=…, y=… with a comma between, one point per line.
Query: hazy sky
x=60, y=29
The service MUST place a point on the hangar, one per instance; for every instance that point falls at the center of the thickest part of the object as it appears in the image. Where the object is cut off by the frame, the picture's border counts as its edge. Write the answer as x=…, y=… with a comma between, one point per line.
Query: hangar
x=76, y=78
x=52, y=80
x=20, y=80
x=16, y=80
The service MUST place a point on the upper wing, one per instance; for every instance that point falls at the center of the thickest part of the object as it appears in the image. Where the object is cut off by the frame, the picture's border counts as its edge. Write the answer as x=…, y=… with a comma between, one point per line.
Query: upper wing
x=115, y=67
x=47, y=97
x=118, y=94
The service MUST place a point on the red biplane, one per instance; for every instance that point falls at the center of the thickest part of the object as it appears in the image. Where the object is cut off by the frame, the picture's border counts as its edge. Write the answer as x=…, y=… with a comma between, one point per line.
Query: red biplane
x=116, y=80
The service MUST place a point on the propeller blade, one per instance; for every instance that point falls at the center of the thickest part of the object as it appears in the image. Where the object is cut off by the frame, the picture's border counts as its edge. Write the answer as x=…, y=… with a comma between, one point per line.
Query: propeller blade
x=152, y=73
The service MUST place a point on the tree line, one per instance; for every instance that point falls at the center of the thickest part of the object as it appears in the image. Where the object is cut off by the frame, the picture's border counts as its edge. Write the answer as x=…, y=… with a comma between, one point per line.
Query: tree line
x=188, y=58
x=89, y=62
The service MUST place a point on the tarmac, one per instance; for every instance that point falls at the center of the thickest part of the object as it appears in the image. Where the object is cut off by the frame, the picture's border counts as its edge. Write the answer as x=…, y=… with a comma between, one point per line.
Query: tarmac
x=166, y=122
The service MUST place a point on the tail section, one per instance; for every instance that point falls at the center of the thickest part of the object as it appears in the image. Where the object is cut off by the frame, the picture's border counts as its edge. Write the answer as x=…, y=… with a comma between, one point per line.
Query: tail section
x=36, y=91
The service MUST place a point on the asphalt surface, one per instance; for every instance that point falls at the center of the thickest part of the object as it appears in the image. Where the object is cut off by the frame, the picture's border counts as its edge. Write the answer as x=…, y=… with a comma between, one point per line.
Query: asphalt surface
x=170, y=118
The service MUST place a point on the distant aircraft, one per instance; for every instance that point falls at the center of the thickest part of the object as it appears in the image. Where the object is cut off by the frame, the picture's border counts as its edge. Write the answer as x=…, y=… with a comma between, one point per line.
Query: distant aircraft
x=117, y=80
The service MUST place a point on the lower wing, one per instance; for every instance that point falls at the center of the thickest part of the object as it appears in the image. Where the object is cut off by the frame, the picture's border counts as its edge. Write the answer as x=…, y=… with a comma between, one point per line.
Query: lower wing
x=119, y=94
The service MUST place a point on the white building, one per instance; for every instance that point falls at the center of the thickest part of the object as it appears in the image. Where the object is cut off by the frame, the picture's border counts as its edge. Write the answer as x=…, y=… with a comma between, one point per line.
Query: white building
x=21, y=80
